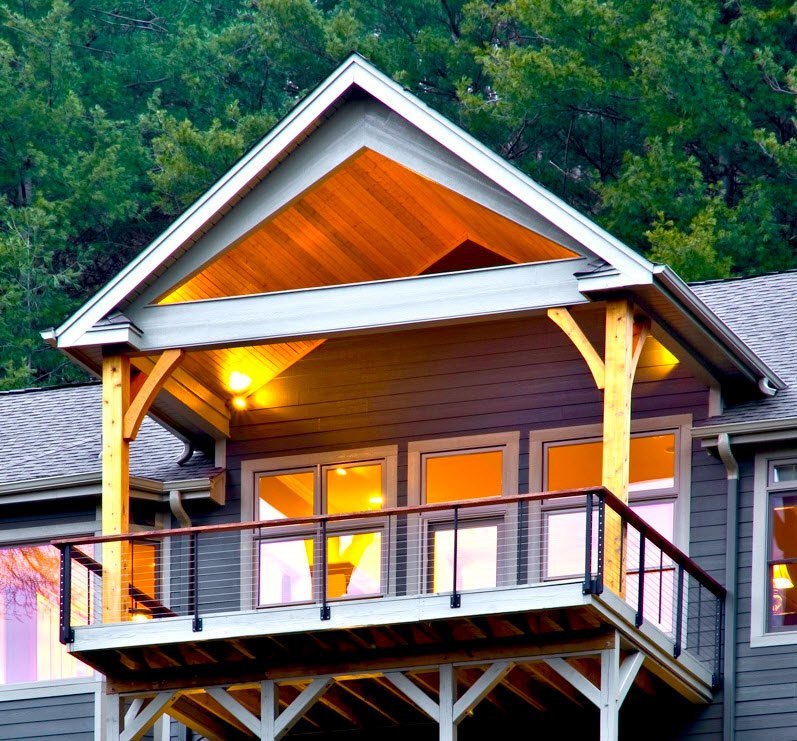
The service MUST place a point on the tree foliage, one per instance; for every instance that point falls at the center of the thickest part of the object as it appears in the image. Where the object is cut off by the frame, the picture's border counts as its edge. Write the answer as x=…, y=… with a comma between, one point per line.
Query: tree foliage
x=672, y=124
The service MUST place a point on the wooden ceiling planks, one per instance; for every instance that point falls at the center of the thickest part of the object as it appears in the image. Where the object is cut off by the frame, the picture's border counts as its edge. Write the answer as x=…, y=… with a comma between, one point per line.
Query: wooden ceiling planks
x=372, y=219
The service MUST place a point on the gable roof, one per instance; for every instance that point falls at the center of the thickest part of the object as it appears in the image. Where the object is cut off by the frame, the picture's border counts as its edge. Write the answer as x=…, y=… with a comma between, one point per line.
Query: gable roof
x=422, y=141
x=355, y=74
x=761, y=311
x=56, y=432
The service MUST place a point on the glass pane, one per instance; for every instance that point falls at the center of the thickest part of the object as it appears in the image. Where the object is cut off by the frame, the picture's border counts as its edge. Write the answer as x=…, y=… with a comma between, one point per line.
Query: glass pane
x=477, y=558
x=784, y=472
x=576, y=465
x=464, y=476
x=143, y=571
x=354, y=488
x=566, y=533
x=286, y=571
x=661, y=517
x=354, y=565
x=29, y=645
x=284, y=495
x=783, y=546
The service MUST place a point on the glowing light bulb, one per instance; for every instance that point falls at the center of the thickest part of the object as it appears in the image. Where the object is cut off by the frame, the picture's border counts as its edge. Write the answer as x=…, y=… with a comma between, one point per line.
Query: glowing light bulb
x=781, y=578
x=239, y=402
x=239, y=382
x=376, y=499
x=340, y=471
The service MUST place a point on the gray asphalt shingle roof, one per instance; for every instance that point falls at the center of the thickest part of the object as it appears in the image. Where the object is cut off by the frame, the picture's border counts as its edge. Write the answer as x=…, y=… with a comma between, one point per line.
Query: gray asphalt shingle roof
x=57, y=432
x=762, y=311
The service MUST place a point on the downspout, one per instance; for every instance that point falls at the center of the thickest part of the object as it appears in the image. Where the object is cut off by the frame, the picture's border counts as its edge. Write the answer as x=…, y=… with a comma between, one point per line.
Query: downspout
x=731, y=563
x=176, y=506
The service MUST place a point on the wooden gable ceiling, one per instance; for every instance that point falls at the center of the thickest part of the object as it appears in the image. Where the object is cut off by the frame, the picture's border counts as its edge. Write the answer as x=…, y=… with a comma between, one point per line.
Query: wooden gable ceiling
x=372, y=219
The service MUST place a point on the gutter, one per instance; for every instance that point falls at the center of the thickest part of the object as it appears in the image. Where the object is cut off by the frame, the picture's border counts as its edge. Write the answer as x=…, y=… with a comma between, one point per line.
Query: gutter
x=682, y=296
x=731, y=566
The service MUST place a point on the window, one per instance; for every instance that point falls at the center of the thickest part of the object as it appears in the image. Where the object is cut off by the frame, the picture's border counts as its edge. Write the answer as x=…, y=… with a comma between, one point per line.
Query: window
x=460, y=469
x=299, y=487
x=29, y=626
x=658, y=473
x=774, y=596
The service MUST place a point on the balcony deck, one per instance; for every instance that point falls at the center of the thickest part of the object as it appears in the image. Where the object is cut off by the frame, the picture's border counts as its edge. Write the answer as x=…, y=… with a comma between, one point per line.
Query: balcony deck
x=528, y=625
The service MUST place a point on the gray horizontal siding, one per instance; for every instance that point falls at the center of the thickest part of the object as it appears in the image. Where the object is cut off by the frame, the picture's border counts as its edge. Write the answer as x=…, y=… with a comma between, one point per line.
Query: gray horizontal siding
x=65, y=717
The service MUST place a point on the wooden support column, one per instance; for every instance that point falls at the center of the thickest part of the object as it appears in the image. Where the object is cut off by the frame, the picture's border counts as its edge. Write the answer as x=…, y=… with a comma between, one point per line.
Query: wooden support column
x=115, y=486
x=617, y=431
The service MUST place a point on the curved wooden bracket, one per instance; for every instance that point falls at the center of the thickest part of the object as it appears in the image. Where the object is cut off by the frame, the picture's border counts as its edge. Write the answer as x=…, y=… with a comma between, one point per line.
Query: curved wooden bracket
x=153, y=383
x=564, y=320
x=641, y=334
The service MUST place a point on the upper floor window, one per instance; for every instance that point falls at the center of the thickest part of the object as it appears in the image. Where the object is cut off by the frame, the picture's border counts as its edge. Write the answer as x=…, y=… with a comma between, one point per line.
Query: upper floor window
x=323, y=484
x=29, y=626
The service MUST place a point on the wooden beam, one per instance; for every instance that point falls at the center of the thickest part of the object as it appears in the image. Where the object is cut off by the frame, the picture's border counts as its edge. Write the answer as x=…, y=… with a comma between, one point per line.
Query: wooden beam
x=617, y=431
x=448, y=697
x=628, y=672
x=115, y=486
x=572, y=675
x=210, y=412
x=564, y=320
x=358, y=308
x=306, y=699
x=480, y=689
x=362, y=696
x=414, y=693
x=153, y=383
x=137, y=726
x=234, y=708
x=641, y=334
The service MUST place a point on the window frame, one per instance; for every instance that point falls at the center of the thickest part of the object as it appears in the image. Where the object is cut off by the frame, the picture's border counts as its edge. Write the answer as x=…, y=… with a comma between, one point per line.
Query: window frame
x=251, y=472
x=764, y=464
x=418, y=550
x=679, y=425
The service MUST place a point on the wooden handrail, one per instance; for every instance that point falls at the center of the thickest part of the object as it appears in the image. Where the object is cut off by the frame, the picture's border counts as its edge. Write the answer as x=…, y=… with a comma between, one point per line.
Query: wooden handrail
x=316, y=519
x=617, y=505
x=655, y=537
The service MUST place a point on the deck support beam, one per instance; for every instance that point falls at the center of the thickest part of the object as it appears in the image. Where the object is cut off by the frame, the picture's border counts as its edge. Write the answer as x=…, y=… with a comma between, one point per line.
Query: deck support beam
x=139, y=720
x=273, y=724
x=115, y=485
x=616, y=680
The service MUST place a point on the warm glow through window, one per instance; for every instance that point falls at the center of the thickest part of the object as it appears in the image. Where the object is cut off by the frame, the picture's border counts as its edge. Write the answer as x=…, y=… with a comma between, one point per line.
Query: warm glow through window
x=783, y=561
x=29, y=645
x=576, y=465
x=463, y=476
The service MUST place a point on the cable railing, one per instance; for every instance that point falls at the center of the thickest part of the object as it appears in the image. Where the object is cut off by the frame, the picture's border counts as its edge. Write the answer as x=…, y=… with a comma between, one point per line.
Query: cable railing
x=448, y=549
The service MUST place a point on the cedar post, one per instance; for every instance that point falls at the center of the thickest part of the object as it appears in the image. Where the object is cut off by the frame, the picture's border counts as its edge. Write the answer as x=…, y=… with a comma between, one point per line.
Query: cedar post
x=617, y=431
x=115, y=485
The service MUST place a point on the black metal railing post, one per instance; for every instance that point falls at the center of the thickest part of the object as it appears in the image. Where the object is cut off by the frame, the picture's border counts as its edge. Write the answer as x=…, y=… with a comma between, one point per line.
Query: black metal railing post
x=640, y=601
x=67, y=633
x=325, y=611
x=456, y=598
x=719, y=619
x=194, y=590
x=598, y=585
x=679, y=610
x=588, y=547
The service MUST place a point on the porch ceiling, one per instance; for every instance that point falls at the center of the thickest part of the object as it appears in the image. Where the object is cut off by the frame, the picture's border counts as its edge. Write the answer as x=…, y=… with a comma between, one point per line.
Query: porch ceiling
x=371, y=219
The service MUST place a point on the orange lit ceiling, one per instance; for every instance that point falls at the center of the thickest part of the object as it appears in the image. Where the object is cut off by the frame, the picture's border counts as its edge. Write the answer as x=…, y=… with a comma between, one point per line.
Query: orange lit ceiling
x=371, y=219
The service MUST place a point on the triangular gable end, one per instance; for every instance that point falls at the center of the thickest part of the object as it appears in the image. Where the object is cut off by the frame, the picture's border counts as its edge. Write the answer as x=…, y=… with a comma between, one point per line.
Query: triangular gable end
x=529, y=202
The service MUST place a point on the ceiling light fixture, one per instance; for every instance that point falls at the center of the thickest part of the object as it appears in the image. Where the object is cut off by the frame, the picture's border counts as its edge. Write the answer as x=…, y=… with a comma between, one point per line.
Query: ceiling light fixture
x=239, y=382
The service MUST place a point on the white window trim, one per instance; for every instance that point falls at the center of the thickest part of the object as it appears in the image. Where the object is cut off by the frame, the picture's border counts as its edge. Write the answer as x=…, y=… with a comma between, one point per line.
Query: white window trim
x=759, y=635
x=251, y=469
x=680, y=424
x=509, y=442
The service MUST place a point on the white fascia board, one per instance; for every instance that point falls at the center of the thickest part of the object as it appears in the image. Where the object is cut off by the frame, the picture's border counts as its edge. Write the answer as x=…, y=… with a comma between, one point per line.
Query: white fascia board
x=196, y=216
x=582, y=229
x=109, y=334
x=691, y=304
x=354, y=71
x=361, y=307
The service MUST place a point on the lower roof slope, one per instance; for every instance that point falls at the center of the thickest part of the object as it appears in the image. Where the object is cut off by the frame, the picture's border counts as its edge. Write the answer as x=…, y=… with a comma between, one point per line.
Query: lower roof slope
x=762, y=311
x=51, y=432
